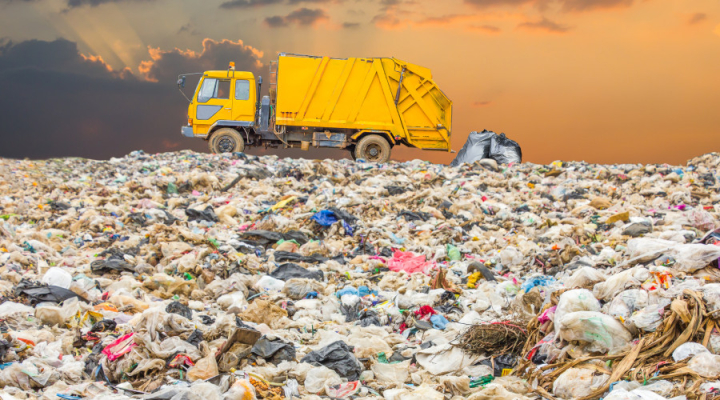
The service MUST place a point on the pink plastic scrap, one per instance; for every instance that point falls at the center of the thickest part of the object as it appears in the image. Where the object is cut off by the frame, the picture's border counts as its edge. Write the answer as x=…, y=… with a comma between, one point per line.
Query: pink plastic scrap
x=120, y=347
x=408, y=262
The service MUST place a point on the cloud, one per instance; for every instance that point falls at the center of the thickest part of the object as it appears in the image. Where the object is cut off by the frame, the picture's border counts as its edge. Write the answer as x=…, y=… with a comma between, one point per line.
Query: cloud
x=301, y=17
x=495, y=3
x=248, y=3
x=587, y=5
x=166, y=65
x=481, y=103
x=544, y=25
x=484, y=28
x=188, y=28
x=351, y=25
x=95, y=3
x=392, y=16
x=444, y=20
x=7, y=2
x=697, y=18
x=64, y=103
x=60, y=56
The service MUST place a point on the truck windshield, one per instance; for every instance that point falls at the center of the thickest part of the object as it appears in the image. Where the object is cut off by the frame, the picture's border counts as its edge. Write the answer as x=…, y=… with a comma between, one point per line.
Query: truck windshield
x=213, y=89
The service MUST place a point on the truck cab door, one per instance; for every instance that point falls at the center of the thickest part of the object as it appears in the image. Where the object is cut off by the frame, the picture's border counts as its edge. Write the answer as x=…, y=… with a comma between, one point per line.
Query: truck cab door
x=244, y=100
x=213, y=103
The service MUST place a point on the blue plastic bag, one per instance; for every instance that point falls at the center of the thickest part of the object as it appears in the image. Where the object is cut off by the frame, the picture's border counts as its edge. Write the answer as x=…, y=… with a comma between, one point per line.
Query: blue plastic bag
x=438, y=321
x=537, y=281
x=325, y=218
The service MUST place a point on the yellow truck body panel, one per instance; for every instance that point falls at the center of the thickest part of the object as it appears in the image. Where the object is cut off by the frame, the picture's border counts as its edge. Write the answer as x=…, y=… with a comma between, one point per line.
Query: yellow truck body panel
x=361, y=94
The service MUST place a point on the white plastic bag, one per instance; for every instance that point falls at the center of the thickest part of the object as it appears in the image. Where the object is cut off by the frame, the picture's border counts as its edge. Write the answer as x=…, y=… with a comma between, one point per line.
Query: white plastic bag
x=601, y=332
x=575, y=300
x=627, y=302
x=688, y=349
x=395, y=374
x=578, y=382
x=320, y=377
x=705, y=364
x=584, y=276
x=649, y=318
x=57, y=277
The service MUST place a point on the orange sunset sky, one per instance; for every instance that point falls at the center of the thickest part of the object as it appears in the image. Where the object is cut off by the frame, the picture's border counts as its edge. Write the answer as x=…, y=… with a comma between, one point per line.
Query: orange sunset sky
x=608, y=81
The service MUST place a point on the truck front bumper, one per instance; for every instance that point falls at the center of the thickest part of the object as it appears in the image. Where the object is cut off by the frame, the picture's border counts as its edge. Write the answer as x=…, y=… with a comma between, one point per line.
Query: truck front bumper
x=187, y=131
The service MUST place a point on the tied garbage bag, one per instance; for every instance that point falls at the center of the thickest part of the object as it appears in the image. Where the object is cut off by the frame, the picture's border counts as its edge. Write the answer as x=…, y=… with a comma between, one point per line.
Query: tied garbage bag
x=600, y=332
x=337, y=356
x=475, y=148
x=504, y=150
x=38, y=293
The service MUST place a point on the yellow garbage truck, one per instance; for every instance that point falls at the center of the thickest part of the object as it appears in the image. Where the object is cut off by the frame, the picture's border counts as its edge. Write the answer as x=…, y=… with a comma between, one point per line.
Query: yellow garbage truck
x=364, y=105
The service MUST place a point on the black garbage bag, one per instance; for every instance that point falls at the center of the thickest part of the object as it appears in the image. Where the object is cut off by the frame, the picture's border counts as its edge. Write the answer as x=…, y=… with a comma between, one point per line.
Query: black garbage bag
x=291, y=270
x=368, y=318
x=337, y=356
x=274, y=351
x=500, y=363
x=504, y=150
x=39, y=293
x=283, y=256
x=195, y=338
x=105, y=325
x=206, y=215
x=342, y=214
x=297, y=236
x=59, y=206
x=263, y=238
x=363, y=249
x=476, y=148
x=110, y=265
x=414, y=216
x=395, y=190
x=179, y=308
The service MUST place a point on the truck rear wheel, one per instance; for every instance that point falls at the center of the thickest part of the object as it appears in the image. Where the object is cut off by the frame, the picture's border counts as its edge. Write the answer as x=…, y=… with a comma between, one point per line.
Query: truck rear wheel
x=373, y=148
x=226, y=140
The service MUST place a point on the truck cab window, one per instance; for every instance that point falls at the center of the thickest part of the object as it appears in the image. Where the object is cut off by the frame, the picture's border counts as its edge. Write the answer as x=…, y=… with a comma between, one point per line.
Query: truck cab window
x=213, y=89
x=242, y=89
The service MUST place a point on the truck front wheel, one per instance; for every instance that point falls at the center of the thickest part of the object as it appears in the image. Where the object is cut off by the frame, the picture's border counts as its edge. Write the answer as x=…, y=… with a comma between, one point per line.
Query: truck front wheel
x=373, y=148
x=226, y=140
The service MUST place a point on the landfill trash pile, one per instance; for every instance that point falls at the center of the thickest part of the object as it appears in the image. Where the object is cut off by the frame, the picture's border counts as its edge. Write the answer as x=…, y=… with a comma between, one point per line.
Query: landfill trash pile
x=184, y=276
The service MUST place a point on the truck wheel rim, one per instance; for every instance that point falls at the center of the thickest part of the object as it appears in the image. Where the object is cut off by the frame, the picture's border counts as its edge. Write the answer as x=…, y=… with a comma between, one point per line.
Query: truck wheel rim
x=226, y=144
x=373, y=152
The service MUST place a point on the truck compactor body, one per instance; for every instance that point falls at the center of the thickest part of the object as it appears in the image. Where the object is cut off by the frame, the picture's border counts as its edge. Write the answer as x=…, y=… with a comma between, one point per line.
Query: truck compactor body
x=364, y=105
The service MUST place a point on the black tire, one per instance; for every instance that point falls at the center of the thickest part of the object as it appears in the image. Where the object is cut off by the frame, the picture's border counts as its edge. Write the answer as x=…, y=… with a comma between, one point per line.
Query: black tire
x=351, y=150
x=226, y=140
x=373, y=148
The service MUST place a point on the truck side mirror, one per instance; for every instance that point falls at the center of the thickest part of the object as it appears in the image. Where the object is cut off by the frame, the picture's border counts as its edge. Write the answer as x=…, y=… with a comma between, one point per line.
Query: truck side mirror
x=181, y=82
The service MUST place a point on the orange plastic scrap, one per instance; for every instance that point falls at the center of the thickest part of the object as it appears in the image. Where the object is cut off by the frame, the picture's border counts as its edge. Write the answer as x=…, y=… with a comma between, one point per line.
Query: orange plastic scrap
x=106, y=307
x=27, y=341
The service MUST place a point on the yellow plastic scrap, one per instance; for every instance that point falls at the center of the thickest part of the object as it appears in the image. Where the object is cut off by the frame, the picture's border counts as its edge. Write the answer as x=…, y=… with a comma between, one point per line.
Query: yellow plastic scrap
x=283, y=203
x=472, y=279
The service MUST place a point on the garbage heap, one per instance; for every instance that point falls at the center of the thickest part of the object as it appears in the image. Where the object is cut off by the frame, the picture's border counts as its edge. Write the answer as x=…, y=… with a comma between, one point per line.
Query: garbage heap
x=197, y=276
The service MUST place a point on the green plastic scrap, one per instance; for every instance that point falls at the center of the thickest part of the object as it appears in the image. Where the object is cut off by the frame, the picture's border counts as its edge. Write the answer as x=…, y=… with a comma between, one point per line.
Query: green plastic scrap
x=481, y=381
x=453, y=253
x=172, y=188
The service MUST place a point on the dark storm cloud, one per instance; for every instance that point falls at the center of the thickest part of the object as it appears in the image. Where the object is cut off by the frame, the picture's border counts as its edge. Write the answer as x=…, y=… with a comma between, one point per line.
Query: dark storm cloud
x=60, y=56
x=4, y=2
x=302, y=17
x=351, y=25
x=67, y=104
x=166, y=65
